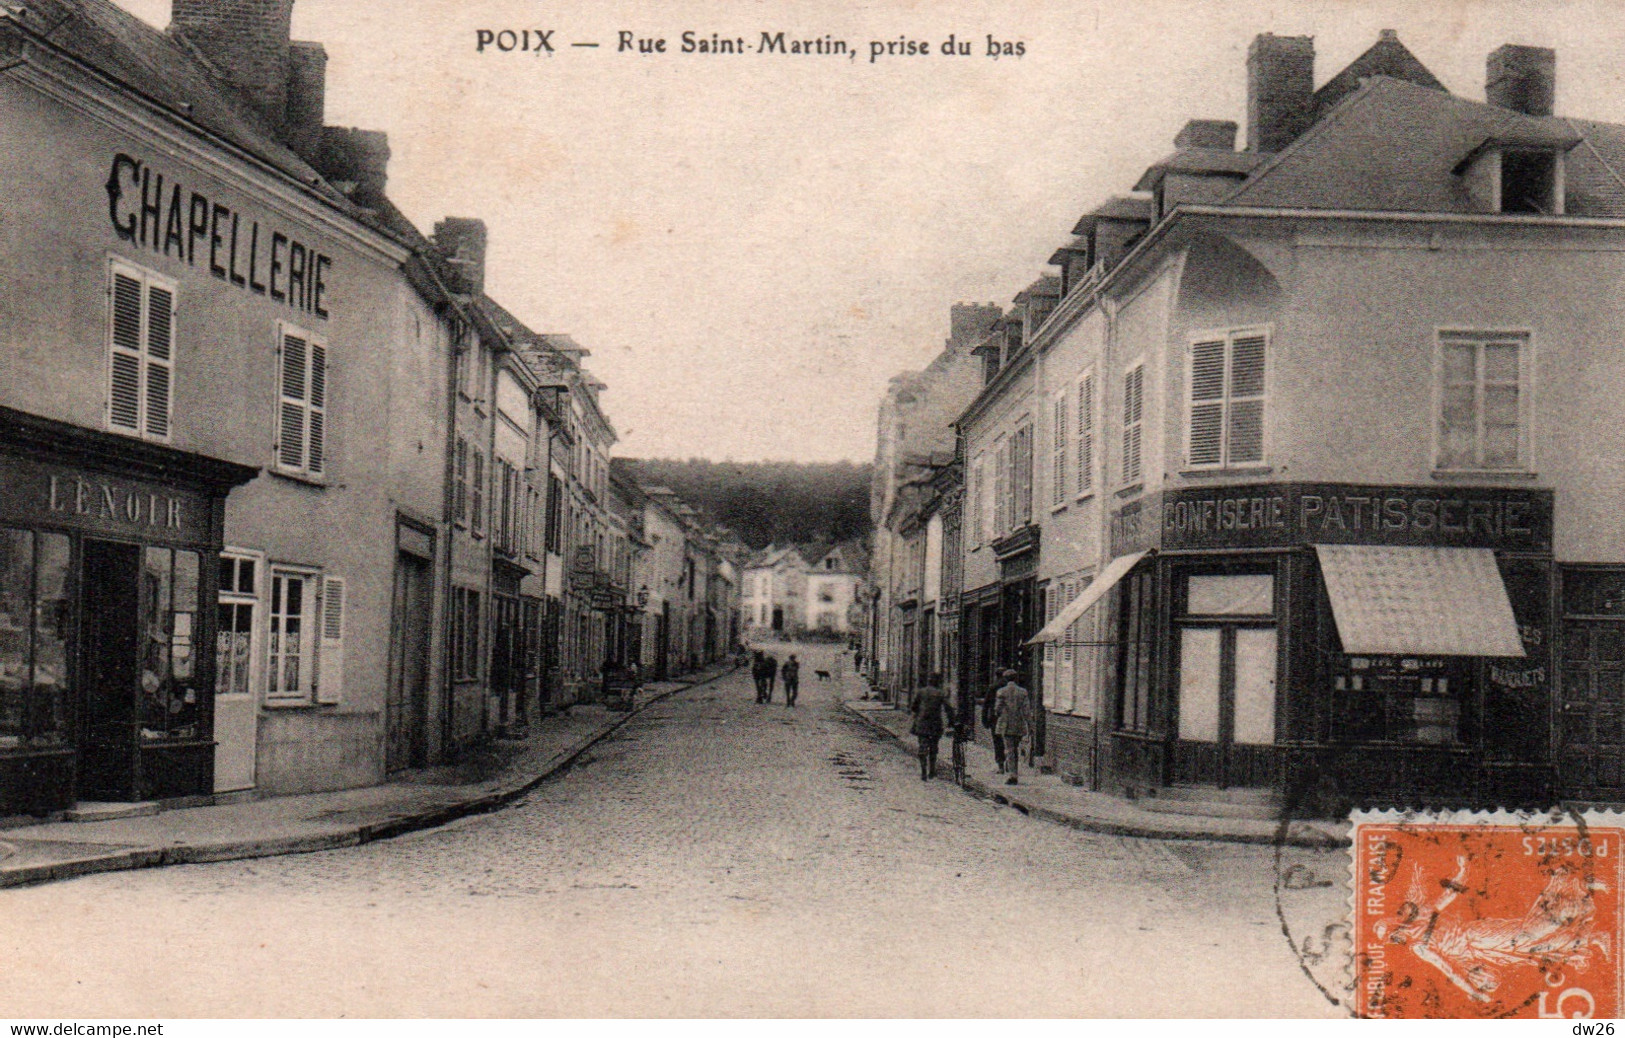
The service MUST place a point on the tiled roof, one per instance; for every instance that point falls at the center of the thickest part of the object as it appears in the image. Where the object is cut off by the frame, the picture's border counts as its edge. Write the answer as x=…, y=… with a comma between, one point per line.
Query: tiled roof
x=151, y=63
x=1394, y=146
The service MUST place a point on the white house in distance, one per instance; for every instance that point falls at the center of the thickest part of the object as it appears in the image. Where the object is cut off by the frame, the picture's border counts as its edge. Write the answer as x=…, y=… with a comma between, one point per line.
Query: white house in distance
x=790, y=590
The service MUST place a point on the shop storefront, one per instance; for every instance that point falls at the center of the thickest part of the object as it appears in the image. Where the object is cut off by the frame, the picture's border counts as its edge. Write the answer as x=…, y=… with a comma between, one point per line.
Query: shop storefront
x=108, y=585
x=1337, y=644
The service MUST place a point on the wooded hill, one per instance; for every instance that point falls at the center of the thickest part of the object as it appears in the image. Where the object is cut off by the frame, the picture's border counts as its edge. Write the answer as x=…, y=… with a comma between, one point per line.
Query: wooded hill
x=767, y=502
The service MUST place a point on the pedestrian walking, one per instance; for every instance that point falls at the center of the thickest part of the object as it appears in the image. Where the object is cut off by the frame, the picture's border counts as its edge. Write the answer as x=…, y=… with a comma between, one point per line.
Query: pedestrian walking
x=791, y=673
x=930, y=710
x=1012, y=719
x=770, y=670
x=989, y=721
x=758, y=674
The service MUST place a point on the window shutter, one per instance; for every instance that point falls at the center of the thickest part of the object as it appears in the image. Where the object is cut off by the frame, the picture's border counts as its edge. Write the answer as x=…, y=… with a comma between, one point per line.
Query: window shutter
x=316, y=460
x=124, y=396
x=160, y=364
x=1246, y=431
x=291, y=411
x=1133, y=411
x=1058, y=445
x=1086, y=434
x=330, y=676
x=1052, y=596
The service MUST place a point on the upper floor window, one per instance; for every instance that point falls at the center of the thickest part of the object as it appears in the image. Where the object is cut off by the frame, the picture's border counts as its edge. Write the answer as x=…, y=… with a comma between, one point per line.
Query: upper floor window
x=1133, y=424
x=1482, y=400
x=141, y=352
x=1021, y=477
x=1059, y=412
x=302, y=402
x=1085, y=461
x=1227, y=395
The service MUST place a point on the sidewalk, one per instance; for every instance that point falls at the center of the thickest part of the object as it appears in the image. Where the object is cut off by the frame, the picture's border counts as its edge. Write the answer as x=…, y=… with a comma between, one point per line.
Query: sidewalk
x=1053, y=800
x=491, y=778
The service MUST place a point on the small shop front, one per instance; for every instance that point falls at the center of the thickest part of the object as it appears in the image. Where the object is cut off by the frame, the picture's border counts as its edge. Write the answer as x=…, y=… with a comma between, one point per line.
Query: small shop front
x=108, y=579
x=1337, y=644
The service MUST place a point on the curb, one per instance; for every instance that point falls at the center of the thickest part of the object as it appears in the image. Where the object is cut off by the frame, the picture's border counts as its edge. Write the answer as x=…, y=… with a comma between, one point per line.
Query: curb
x=350, y=836
x=975, y=787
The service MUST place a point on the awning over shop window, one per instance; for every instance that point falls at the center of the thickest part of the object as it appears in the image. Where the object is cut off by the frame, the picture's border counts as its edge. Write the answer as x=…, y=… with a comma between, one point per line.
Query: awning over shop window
x=1070, y=612
x=1419, y=601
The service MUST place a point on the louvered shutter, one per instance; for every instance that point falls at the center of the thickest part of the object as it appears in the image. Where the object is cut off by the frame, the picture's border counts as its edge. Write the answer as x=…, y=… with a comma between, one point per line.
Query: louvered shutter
x=1207, y=403
x=330, y=675
x=160, y=360
x=1133, y=409
x=1058, y=450
x=1246, y=421
x=124, y=391
x=316, y=456
x=1052, y=596
x=1086, y=434
x=291, y=420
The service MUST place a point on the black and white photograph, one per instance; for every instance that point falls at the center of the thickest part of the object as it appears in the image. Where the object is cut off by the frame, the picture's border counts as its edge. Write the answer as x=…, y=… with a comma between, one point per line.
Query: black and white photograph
x=809, y=510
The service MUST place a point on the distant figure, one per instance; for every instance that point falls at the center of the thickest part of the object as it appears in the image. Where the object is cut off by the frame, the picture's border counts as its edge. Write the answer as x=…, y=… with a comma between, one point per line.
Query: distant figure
x=990, y=722
x=791, y=673
x=930, y=710
x=1012, y=719
x=758, y=674
x=770, y=670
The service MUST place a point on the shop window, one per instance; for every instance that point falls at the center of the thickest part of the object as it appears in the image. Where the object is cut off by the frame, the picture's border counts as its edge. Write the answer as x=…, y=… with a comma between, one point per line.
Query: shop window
x=141, y=352
x=1138, y=631
x=1227, y=396
x=302, y=403
x=1133, y=424
x=1085, y=461
x=171, y=706
x=1482, y=400
x=465, y=634
x=1398, y=699
x=1599, y=593
x=34, y=610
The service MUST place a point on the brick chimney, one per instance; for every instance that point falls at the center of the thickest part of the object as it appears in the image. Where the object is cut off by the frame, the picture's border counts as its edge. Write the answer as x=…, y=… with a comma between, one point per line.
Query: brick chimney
x=246, y=41
x=969, y=323
x=1207, y=133
x=1523, y=79
x=356, y=161
x=1280, y=90
x=462, y=241
x=306, y=107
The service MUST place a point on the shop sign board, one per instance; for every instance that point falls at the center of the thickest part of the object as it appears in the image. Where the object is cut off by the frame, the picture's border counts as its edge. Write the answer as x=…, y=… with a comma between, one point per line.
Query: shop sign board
x=1283, y=514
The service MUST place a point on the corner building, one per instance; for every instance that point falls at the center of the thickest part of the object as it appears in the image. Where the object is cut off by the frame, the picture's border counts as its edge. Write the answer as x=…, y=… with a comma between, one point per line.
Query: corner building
x=1328, y=458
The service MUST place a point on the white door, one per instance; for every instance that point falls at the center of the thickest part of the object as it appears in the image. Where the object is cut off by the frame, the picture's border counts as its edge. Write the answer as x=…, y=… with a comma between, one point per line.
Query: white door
x=1255, y=686
x=1199, y=684
x=236, y=662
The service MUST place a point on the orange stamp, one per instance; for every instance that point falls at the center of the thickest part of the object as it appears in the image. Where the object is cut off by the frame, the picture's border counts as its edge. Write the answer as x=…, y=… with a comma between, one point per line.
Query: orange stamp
x=1460, y=914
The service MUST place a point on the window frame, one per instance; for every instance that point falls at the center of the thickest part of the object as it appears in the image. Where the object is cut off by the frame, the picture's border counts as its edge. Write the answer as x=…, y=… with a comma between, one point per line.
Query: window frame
x=1228, y=337
x=310, y=617
x=1481, y=335
x=147, y=279
x=259, y=599
x=313, y=343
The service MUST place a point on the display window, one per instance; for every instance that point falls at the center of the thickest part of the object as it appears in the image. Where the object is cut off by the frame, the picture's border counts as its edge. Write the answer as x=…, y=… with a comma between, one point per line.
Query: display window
x=34, y=621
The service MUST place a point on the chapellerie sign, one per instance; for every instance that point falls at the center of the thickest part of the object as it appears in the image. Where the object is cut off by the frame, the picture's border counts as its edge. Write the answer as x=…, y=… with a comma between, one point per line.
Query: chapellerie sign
x=1279, y=514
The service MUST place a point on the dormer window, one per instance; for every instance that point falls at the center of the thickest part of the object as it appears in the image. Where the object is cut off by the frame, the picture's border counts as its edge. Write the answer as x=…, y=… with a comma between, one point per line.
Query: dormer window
x=1514, y=178
x=1529, y=182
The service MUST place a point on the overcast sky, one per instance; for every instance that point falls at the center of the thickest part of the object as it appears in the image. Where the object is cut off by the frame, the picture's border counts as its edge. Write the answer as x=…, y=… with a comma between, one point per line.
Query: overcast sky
x=752, y=245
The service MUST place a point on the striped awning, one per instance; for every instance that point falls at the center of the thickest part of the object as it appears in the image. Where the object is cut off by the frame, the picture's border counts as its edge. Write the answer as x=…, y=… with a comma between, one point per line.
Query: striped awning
x=1419, y=601
x=1096, y=590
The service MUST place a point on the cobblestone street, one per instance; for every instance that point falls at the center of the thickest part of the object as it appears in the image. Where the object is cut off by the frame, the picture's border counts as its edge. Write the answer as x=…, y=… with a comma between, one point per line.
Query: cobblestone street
x=714, y=857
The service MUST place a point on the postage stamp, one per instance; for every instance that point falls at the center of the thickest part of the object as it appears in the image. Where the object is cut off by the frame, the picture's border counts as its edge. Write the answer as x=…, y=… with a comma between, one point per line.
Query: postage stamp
x=1487, y=914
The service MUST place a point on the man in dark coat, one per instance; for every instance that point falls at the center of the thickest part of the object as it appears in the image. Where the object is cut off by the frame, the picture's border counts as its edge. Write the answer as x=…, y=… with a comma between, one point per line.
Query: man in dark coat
x=989, y=721
x=930, y=709
x=758, y=673
x=791, y=673
x=770, y=670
